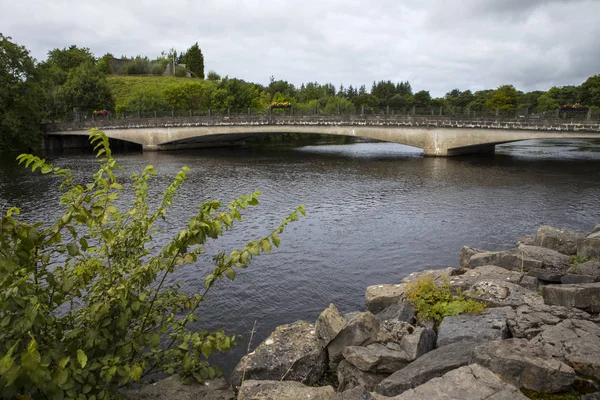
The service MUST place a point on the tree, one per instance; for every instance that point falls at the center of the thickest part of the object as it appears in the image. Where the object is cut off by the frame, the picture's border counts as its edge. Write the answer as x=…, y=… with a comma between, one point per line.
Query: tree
x=589, y=91
x=87, y=303
x=21, y=98
x=87, y=89
x=422, y=99
x=505, y=97
x=195, y=61
x=213, y=76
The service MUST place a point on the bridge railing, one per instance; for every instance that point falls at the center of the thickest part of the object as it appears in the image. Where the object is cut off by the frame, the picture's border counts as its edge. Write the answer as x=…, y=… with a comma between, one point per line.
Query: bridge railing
x=454, y=112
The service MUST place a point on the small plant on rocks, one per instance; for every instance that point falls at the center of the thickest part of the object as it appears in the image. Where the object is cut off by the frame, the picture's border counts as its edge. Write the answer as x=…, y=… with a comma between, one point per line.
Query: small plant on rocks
x=435, y=301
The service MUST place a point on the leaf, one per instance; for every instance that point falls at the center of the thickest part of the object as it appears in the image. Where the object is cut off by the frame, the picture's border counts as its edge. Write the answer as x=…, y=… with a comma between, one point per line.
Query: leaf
x=63, y=363
x=155, y=339
x=73, y=249
x=81, y=358
x=265, y=245
x=230, y=273
x=7, y=361
x=275, y=239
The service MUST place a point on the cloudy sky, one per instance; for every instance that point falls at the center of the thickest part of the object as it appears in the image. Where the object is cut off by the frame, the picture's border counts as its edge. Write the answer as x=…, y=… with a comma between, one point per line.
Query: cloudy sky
x=437, y=45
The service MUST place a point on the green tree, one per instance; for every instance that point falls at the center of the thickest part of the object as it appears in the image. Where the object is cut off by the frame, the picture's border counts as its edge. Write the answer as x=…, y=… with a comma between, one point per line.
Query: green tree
x=189, y=96
x=589, y=91
x=195, y=60
x=86, y=89
x=21, y=98
x=103, y=64
x=422, y=99
x=213, y=76
x=505, y=97
x=88, y=304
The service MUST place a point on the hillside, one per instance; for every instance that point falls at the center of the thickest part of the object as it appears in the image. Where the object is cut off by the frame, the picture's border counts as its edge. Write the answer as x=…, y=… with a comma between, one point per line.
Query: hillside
x=125, y=87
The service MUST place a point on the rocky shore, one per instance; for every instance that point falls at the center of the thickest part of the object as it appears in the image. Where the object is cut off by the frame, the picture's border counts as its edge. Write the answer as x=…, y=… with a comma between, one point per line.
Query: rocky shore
x=538, y=338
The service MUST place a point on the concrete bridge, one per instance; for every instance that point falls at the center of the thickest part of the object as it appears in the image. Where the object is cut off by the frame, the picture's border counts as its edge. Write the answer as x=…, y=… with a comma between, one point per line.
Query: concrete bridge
x=436, y=135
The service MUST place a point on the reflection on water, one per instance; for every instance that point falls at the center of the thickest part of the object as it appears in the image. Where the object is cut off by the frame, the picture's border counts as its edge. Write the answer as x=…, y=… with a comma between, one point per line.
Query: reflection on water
x=376, y=212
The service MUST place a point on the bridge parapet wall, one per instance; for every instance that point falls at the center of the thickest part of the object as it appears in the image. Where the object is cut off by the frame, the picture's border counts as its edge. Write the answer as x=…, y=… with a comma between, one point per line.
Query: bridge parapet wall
x=336, y=120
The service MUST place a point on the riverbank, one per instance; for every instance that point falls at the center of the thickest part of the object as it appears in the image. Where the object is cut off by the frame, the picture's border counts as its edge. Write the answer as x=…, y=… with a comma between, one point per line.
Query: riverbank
x=538, y=338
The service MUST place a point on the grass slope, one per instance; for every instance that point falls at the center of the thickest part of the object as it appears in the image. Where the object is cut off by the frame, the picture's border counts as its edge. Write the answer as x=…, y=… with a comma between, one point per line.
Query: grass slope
x=124, y=88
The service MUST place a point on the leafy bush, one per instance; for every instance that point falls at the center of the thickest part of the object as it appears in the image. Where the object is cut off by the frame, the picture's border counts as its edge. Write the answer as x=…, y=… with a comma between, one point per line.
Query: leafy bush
x=139, y=66
x=84, y=304
x=434, y=302
x=576, y=260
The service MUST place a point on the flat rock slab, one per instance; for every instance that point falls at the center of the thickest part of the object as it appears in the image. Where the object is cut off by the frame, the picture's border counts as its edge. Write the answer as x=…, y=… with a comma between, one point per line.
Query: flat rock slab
x=377, y=357
x=488, y=325
x=350, y=377
x=291, y=352
x=585, y=296
x=438, y=275
x=590, y=268
x=361, y=330
x=287, y=390
x=562, y=240
x=576, y=343
x=499, y=293
x=529, y=321
x=403, y=311
x=589, y=247
x=274, y=389
x=329, y=323
x=525, y=365
x=485, y=272
x=173, y=388
x=472, y=382
x=431, y=365
x=512, y=259
x=380, y=297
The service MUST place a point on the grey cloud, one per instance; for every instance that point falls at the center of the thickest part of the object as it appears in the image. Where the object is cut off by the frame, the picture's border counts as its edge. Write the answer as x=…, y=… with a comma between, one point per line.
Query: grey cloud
x=435, y=44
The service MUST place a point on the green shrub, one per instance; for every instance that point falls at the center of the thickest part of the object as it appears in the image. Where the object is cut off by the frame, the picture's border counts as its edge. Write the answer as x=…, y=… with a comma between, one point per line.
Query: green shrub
x=84, y=303
x=435, y=301
x=576, y=260
x=138, y=66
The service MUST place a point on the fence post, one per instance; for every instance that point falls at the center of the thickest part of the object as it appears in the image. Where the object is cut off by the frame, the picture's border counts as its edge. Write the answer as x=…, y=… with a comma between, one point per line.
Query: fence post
x=558, y=113
x=293, y=110
x=362, y=110
x=497, y=111
x=139, y=114
x=190, y=112
x=468, y=112
x=228, y=111
x=432, y=111
x=249, y=111
x=108, y=116
x=589, y=113
x=154, y=114
x=172, y=113
x=338, y=109
x=414, y=110
x=209, y=112
x=441, y=110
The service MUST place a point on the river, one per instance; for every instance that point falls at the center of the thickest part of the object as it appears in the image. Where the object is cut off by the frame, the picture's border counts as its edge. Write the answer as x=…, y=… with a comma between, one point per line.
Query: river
x=375, y=213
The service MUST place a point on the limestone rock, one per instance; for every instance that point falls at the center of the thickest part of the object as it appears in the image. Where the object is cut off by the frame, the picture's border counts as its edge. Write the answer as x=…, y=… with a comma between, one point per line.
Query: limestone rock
x=574, y=342
x=589, y=247
x=559, y=239
x=431, y=365
x=465, y=255
x=291, y=352
x=488, y=325
x=554, y=264
x=329, y=323
x=513, y=260
x=596, y=229
x=284, y=390
x=589, y=268
x=525, y=366
x=421, y=341
x=349, y=377
x=403, y=311
x=361, y=330
x=498, y=293
x=471, y=382
x=526, y=240
x=439, y=275
x=173, y=388
x=585, y=296
x=379, y=297
x=485, y=272
x=528, y=321
x=569, y=279
x=377, y=357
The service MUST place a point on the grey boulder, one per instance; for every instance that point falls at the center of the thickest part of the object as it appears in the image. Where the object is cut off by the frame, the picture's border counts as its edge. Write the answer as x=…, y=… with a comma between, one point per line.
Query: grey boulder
x=361, y=329
x=350, y=377
x=329, y=323
x=589, y=247
x=585, y=296
x=574, y=342
x=488, y=325
x=562, y=240
x=380, y=297
x=431, y=365
x=497, y=293
x=377, y=357
x=403, y=311
x=528, y=321
x=525, y=365
x=471, y=382
x=291, y=352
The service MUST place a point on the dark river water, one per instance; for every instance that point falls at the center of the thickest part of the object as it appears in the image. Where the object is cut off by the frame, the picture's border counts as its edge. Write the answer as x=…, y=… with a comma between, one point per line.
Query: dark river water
x=375, y=213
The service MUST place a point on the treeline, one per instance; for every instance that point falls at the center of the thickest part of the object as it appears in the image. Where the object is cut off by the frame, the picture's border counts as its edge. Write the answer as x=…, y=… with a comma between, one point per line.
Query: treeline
x=72, y=80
